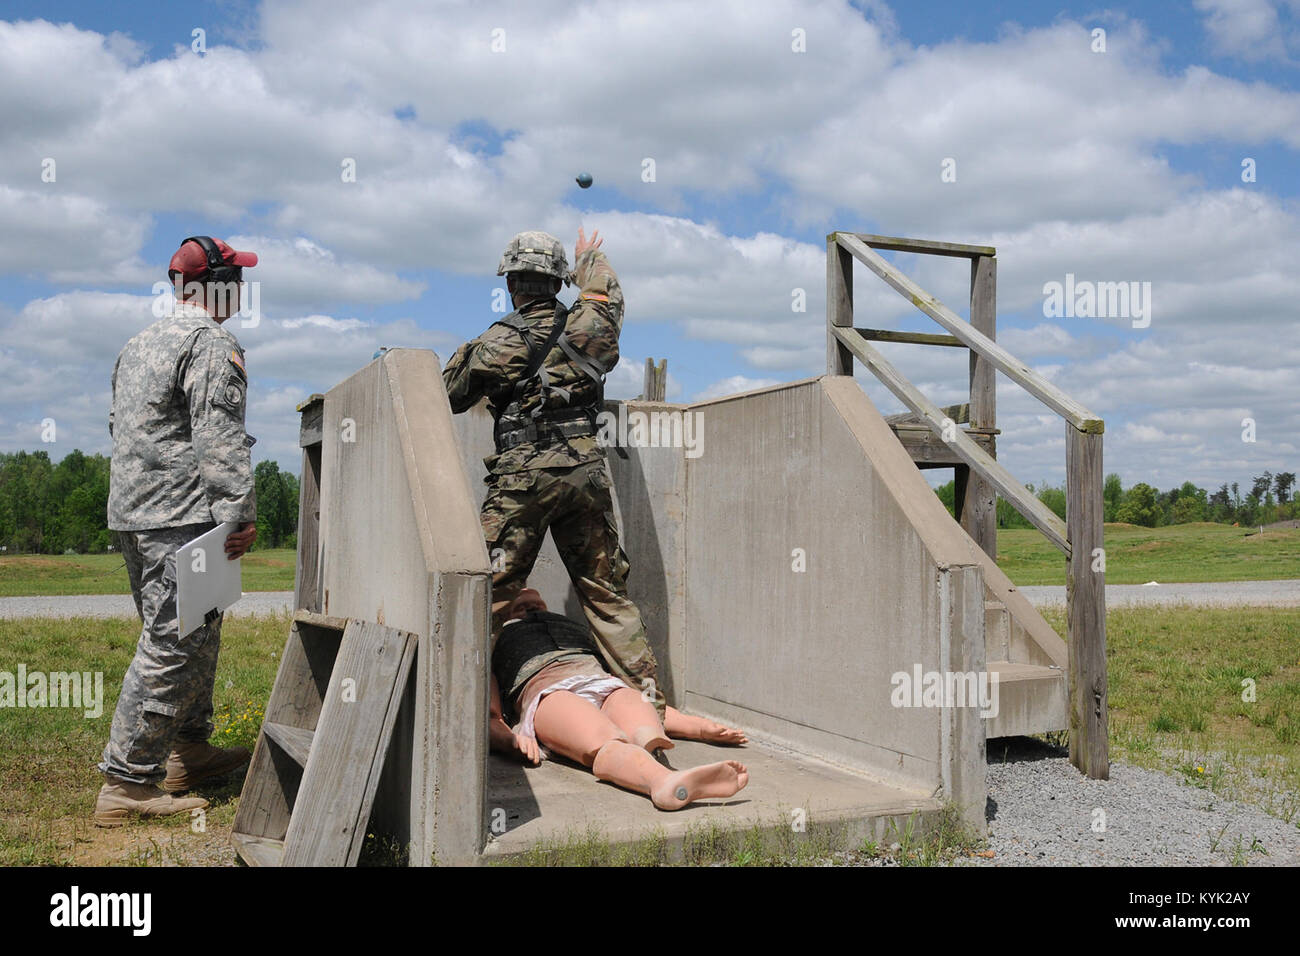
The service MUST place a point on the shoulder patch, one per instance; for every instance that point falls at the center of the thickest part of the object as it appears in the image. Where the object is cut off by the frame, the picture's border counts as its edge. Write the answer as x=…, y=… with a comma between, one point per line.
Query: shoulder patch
x=595, y=296
x=238, y=361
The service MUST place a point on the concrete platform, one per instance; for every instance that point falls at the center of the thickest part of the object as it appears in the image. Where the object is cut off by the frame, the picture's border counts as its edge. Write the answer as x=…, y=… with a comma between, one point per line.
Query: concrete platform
x=559, y=800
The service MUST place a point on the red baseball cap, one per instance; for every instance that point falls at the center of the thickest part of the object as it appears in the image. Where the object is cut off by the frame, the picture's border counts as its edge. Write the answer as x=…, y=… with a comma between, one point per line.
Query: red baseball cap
x=191, y=261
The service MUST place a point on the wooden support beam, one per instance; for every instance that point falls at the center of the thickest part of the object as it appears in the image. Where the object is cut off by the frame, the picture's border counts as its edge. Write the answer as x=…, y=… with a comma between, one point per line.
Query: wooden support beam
x=979, y=506
x=1037, y=513
x=960, y=414
x=1086, y=605
x=306, y=587
x=912, y=338
x=839, y=306
x=1020, y=373
x=923, y=246
x=927, y=448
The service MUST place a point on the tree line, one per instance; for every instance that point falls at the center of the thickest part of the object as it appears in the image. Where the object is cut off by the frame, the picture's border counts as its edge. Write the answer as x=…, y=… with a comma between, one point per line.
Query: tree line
x=1267, y=498
x=59, y=509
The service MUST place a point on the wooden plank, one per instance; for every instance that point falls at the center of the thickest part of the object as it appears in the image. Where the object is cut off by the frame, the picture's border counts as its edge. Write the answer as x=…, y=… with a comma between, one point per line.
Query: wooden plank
x=271, y=785
x=312, y=421
x=913, y=338
x=839, y=306
x=960, y=414
x=307, y=580
x=1037, y=513
x=979, y=501
x=927, y=448
x=1086, y=605
x=1017, y=371
x=295, y=741
x=258, y=851
x=923, y=246
x=342, y=773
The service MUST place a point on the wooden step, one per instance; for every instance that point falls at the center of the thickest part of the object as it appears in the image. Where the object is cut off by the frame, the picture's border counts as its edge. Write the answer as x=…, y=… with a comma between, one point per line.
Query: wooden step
x=295, y=741
x=997, y=631
x=258, y=851
x=1031, y=699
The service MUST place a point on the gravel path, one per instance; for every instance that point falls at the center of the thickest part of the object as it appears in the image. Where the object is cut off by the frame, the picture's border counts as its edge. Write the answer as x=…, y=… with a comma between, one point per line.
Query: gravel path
x=121, y=605
x=1041, y=813
x=1217, y=594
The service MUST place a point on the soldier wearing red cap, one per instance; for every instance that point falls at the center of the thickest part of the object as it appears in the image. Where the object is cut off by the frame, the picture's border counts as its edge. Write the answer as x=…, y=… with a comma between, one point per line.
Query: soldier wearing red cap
x=180, y=465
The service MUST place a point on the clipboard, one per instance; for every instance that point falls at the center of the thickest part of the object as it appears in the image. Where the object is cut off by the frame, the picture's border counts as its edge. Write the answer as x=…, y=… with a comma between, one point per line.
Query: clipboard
x=206, y=581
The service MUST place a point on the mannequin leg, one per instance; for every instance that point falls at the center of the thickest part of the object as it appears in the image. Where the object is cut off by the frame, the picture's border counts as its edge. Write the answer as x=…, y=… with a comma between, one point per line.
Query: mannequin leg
x=636, y=717
x=575, y=728
x=689, y=727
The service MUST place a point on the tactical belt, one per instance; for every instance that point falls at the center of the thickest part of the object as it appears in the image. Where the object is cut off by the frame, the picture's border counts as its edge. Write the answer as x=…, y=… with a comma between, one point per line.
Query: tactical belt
x=544, y=432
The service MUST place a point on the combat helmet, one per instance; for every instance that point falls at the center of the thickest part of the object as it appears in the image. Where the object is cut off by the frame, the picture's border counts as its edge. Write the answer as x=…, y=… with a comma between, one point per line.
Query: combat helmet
x=537, y=252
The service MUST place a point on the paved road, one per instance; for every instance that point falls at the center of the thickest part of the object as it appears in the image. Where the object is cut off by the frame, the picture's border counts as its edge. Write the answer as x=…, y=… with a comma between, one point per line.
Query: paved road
x=121, y=605
x=1223, y=594
x=1219, y=594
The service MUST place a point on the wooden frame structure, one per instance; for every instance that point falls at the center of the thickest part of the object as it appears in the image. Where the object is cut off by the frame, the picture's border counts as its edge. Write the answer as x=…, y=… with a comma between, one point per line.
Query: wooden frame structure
x=933, y=440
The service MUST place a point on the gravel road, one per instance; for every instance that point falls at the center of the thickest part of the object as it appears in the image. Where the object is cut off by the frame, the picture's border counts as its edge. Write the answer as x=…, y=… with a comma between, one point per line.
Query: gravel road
x=1042, y=813
x=1222, y=594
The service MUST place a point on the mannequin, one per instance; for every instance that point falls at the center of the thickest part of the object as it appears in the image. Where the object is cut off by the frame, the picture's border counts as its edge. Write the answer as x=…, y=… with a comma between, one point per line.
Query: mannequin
x=576, y=708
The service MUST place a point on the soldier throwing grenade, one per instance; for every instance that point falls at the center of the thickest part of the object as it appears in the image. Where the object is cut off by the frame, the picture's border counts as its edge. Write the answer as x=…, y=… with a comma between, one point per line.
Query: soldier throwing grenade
x=543, y=370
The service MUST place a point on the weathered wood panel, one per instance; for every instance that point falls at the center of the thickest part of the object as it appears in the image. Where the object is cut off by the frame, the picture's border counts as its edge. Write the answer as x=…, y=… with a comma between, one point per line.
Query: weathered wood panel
x=1086, y=605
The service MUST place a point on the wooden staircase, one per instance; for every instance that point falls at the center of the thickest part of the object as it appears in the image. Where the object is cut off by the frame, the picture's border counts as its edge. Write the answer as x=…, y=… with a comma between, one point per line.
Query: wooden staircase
x=315, y=769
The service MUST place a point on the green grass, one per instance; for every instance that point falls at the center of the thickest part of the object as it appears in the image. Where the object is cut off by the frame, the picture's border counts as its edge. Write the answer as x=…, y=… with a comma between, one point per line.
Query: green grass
x=1176, y=685
x=48, y=778
x=50, y=574
x=1177, y=553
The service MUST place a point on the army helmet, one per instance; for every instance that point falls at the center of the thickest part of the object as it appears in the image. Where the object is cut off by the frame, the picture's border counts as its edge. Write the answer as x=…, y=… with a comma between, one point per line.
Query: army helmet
x=535, y=252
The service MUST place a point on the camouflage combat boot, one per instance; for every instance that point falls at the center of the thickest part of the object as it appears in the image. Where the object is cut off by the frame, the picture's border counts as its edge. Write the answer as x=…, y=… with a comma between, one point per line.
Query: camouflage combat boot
x=119, y=799
x=196, y=760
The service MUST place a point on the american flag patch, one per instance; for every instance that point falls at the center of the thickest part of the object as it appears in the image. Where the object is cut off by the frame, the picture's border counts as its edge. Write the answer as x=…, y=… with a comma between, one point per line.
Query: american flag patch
x=596, y=296
x=238, y=361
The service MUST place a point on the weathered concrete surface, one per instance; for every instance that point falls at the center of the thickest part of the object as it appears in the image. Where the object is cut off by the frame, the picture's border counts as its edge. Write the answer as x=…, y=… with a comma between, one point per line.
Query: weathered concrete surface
x=810, y=472
x=401, y=544
x=559, y=801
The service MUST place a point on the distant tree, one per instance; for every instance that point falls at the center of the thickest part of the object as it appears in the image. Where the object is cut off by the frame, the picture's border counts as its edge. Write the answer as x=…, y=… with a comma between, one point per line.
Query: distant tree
x=1054, y=498
x=948, y=495
x=1139, y=506
x=1283, y=482
x=1112, y=493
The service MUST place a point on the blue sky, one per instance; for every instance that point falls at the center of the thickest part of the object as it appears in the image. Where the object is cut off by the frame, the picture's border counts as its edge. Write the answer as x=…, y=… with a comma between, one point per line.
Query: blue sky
x=1114, y=165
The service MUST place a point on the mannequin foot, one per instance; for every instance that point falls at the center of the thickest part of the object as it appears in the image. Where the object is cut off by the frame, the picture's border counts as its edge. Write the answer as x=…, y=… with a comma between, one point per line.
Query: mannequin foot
x=721, y=779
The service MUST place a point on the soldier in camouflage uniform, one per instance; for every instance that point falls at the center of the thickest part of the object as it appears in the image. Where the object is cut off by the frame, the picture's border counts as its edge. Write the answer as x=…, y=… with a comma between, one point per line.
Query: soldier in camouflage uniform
x=180, y=465
x=542, y=369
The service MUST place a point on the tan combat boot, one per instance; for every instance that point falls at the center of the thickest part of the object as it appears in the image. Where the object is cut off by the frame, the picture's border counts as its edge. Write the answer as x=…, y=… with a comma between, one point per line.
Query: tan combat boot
x=119, y=799
x=198, y=760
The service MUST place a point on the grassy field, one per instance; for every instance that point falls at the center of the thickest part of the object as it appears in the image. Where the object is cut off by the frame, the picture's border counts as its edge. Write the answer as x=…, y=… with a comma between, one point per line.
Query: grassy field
x=42, y=574
x=1185, y=552
x=1176, y=705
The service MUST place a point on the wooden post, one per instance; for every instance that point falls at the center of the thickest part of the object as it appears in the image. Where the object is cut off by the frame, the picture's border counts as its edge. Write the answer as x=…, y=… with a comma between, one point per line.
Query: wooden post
x=839, y=305
x=978, y=505
x=1086, y=604
x=654, y=383
x=306, y=589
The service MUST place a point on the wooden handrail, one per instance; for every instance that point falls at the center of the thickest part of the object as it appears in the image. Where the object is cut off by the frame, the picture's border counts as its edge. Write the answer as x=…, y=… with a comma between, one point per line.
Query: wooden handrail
x=1020, y=373
x=924, y=246
x=1038, y=514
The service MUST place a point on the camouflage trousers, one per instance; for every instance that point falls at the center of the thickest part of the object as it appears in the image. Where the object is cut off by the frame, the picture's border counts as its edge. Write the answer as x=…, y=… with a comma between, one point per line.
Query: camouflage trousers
x=576, y=505
x=167, y=691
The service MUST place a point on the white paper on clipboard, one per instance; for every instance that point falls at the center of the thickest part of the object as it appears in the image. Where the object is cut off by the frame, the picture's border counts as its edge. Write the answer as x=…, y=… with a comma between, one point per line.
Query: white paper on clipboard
x=205, y=579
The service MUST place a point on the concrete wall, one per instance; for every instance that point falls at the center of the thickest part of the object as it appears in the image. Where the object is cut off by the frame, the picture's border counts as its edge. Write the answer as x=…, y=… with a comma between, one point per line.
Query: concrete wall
x=401, y=544
x=811, y=471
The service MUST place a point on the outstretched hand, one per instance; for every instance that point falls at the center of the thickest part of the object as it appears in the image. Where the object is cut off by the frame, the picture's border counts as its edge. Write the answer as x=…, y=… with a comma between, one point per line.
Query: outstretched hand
x=528, y=747
x=583, y=243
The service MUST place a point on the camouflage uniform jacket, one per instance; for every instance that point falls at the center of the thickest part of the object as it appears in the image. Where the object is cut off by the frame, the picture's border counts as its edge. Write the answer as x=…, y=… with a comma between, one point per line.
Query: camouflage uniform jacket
x=490, y=364
x=180, y=451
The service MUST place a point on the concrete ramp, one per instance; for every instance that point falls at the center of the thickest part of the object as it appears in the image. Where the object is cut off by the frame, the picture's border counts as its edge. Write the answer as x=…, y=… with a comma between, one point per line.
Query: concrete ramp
x=797, y=576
